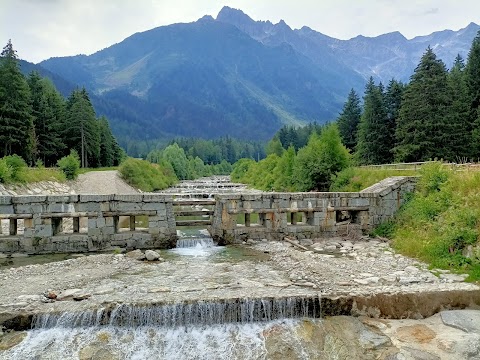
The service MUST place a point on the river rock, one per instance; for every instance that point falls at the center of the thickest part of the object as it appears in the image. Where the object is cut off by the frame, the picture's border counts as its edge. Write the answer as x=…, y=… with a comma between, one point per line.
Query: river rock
x=136, y=254
x=420, y=354
x=152, y=255
x=11, y=339
x=73, y=294
x=306, y=242
x=465, y=320
x=454, y=277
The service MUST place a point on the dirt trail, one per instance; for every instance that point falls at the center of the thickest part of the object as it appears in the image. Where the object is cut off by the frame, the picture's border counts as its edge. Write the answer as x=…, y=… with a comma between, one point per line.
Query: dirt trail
x=103, y=183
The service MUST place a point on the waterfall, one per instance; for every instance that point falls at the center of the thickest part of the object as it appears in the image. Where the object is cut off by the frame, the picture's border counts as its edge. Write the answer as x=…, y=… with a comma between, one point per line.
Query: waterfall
x=200, y=313
x=195, y=242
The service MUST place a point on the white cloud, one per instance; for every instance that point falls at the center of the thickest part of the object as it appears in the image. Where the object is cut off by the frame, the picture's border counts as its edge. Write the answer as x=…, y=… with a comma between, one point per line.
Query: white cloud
x=40, y=29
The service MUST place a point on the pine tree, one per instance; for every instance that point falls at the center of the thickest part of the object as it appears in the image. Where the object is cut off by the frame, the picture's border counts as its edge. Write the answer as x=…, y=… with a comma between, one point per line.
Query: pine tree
x=373, y=145
x=17, y=133
x=393, y=102
x=48, y=109
x=349, y=119
x=422, y=131
x=274, y=146
x=110, y=152
x=458, y=112
x=82, y=132
x=472, y=75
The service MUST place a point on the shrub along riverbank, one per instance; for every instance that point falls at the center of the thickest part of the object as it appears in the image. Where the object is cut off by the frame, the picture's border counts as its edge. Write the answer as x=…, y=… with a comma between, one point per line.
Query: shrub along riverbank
x=355, y=179
x=440, y=224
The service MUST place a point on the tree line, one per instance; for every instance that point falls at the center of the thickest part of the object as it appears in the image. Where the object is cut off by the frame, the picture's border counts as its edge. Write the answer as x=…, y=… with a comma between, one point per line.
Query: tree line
x=311, y=168
x=435, y=115
x=39, y=125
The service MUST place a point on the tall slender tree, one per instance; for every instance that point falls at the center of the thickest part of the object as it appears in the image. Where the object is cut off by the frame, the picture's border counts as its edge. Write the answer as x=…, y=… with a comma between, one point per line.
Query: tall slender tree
x=17, y=133
x=393, y=102
x=460, y=139
x=110, y=152
x=422, y=131
x=82, y=133
x=349, y=119
x=472, y=76
x=48, y=109
x=373, y=145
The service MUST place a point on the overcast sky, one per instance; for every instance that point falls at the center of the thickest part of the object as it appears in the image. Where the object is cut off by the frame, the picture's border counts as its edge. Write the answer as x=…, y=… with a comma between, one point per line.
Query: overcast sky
x=41, y=29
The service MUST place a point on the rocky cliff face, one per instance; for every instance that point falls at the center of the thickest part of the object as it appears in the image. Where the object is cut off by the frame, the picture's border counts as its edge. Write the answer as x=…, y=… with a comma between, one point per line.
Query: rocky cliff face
x=383, y=57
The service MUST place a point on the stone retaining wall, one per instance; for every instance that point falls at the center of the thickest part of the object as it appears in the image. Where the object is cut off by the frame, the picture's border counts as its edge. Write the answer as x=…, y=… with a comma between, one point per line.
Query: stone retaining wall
x=94, y=222
x=273, y=216
x=94, y=219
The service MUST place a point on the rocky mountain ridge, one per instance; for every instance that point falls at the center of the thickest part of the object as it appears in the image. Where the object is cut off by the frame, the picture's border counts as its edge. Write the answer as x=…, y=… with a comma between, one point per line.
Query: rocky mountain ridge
x=233, y=76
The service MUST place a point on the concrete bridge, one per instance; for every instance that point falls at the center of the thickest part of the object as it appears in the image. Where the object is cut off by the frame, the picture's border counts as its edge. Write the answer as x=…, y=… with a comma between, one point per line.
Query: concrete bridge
x=36, y=223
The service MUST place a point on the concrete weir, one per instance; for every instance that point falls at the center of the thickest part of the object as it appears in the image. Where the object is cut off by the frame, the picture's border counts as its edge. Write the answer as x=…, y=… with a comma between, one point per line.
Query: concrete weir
x=95, y=219
x=246, y=310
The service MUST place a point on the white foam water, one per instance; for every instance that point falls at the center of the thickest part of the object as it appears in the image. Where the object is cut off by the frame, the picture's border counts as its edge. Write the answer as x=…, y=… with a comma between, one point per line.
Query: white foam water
x=223, y=341
x=196, y=246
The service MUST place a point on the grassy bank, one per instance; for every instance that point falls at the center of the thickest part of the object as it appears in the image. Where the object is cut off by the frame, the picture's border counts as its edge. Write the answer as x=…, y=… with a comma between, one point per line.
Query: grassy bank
x=441, y=223
x=355, y=179
x=143, y=175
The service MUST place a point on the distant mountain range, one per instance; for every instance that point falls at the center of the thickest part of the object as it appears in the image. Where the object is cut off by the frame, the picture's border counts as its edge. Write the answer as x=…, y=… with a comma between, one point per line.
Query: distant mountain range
x=236, y=76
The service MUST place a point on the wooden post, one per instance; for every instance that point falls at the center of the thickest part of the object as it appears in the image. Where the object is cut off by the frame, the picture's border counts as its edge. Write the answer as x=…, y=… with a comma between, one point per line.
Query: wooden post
x=132, y=223
x=13, y=226
x=76, y=224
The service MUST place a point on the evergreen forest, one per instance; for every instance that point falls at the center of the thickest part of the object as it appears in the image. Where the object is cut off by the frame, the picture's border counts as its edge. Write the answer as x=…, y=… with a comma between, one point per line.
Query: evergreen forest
x=434, y=116
x=40, y=126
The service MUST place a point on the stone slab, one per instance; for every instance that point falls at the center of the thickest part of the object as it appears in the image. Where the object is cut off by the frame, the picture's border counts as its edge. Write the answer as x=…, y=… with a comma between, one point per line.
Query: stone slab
x=465, y=320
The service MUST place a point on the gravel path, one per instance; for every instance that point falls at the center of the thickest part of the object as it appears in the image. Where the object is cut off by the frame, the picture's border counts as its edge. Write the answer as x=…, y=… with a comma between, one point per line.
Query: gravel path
x=103, y=183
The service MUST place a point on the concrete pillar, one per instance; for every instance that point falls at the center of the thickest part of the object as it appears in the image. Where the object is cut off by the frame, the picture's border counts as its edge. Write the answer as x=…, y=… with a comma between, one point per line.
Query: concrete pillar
x=76, y=225
x=13, y=226
x=57, y=226
x=261, y=219
x=293, y=218
x=247, y=219
x=132, y=223
x=115, y=223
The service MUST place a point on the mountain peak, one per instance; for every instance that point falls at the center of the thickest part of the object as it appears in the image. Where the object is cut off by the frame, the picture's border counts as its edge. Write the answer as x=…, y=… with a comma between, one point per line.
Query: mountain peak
x=228, y=14
x=206, y=18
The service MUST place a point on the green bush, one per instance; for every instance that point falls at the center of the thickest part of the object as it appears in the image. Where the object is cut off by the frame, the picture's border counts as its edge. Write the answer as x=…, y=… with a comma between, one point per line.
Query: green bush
x=70, y=165
x=146, y=176
x=17, y=165
x=442, y=220
x=5, y=171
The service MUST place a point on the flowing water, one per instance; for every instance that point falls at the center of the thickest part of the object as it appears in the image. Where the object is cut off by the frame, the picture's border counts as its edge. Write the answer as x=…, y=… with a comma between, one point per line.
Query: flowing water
x=237, y=329
x=222, y=341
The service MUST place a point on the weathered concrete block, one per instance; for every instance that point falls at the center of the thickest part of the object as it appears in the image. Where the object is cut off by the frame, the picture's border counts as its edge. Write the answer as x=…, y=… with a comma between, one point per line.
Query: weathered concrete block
x=5, y=200
x=358, y=201
x=45, y=230
x=88, y=207
x=6, y=209
x=160, y=207
x=58, y=199
x=101, y=222
x=96, y=198
x=60, y=208
x=128, y=198
x=28, y=199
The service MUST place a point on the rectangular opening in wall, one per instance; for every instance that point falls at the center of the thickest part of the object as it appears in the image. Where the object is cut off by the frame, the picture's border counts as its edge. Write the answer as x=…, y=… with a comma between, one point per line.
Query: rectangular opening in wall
x=133, y=223
x=11, y=227
x=347, y=217
x=296, y=218
x=250, y=219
